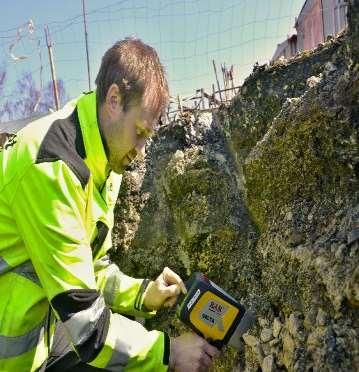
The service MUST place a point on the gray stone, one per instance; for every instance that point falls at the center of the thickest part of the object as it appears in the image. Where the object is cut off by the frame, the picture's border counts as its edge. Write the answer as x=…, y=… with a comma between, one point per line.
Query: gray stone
x=274, y=342
x=296, y=237
x=330, y=67
x=263, y=322
x=266, y=334
x=259, y=353
x=322, y=318
x=294, y=324
x=352, y=288
x=268, y=364
x=339, y=251
x=310, y=319
x=277, y=326
x=313, y=81
x=250, y=340
x=289, y=216
x=267, y=349
x=289, y=346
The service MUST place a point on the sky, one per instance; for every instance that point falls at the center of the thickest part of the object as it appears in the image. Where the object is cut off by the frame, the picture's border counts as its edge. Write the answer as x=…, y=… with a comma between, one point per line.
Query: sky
x=187, y=34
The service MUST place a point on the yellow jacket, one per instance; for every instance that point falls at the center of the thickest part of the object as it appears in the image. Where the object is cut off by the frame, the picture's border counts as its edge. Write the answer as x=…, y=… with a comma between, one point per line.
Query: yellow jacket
x=56, y=213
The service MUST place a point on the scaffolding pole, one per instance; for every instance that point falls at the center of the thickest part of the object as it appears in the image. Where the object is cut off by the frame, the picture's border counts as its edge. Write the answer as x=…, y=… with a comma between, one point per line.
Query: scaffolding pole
x=52, y=66
x=218, y=86
x=86, y=44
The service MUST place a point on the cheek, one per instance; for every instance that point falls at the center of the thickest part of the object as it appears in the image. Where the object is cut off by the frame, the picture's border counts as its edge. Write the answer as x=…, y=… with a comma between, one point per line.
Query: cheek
x=119, y=149
x=122, y=142
x=117, y=142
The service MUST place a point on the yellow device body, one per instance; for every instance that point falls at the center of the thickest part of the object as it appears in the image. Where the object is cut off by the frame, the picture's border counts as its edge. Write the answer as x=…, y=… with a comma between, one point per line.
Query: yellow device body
x=213, y=316
x=213, y=313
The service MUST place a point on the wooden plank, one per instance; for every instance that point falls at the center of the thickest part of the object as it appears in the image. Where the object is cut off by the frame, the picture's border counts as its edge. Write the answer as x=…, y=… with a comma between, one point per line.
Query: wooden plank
x=215, y=72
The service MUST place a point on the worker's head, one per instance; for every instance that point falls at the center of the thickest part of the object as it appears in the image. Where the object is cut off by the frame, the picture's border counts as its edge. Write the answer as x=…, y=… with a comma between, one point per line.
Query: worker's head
x=132, y=93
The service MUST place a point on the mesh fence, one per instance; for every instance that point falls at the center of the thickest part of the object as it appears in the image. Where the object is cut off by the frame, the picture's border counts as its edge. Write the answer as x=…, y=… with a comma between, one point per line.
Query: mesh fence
x=194, y=38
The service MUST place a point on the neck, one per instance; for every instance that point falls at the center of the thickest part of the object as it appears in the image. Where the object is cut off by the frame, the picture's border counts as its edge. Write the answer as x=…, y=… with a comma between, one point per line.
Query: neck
x=102, y=121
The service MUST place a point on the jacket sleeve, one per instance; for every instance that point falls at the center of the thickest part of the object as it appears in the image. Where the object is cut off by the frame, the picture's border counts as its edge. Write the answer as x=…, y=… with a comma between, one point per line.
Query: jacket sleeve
x=122, y=293
x=50, y=206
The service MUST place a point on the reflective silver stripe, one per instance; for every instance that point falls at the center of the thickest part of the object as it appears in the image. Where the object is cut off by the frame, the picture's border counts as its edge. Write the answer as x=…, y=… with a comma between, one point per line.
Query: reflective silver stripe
x=81, y=325
x=4, y=266
x=12, y=346
x=112, y=282
x=102, y=262
x=139, y=297
x=27, y=270
x=118, y=359
x=112, y=285
x=130, y=338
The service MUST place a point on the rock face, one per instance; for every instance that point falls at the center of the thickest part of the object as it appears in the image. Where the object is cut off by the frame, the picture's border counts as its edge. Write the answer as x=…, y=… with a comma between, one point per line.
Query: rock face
x=263, y=198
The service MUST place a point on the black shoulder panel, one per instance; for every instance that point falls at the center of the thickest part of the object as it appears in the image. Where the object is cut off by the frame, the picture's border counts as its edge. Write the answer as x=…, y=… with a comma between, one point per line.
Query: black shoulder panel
x=72, y=301
x=68, y=304
x=64, y=142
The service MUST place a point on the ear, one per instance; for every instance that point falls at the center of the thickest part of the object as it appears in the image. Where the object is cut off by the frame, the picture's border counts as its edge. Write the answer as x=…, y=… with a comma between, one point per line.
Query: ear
x=113, y=98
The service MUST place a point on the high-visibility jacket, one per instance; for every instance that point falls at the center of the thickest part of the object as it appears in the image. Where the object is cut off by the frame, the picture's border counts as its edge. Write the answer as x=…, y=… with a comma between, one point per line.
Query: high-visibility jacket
x=57, y=197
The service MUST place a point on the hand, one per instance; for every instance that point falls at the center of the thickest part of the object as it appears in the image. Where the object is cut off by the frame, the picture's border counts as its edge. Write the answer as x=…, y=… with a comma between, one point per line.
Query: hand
x=164, y=290
x=191, y=353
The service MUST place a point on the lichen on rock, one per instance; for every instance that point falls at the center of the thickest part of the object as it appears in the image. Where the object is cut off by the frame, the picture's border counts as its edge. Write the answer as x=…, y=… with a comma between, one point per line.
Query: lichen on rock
x=264, y=199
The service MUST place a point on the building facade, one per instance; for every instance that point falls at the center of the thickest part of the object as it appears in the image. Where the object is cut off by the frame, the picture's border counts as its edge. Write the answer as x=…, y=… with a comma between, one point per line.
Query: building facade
x=334, y=16
x=309, y=25
x=286, y=49
x=317, y=20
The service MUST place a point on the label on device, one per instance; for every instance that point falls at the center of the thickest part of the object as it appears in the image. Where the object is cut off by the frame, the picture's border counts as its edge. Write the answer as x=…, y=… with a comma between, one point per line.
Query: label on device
x=212, y=313
x=193, y=299
x=213, y=316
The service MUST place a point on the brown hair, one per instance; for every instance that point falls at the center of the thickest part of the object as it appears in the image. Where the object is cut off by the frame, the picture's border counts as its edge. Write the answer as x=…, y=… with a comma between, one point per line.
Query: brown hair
x=138, y=72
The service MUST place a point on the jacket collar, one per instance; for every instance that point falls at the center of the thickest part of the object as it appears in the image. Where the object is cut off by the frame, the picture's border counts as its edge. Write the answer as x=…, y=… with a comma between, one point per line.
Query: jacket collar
x=96, y=158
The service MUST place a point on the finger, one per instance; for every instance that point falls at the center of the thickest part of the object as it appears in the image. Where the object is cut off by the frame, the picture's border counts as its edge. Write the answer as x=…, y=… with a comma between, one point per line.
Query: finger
x=171, y=291
x=171, y=277
x=211, y=350
x=206, y=362
x=170, y=302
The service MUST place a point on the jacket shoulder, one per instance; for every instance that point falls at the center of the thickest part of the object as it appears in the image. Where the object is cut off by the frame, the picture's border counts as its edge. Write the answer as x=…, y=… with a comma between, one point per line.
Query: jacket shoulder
x=64, y=141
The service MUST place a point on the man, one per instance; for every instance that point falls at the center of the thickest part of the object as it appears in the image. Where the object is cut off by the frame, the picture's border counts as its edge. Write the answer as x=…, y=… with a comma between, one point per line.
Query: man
x=61, y=297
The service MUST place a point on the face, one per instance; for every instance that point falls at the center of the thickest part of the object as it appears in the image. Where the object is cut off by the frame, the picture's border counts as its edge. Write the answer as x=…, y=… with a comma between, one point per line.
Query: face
x=126, y=133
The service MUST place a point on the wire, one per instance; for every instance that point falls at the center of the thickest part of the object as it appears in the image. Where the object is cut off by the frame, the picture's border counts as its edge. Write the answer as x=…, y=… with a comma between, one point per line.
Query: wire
x=188, y=34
